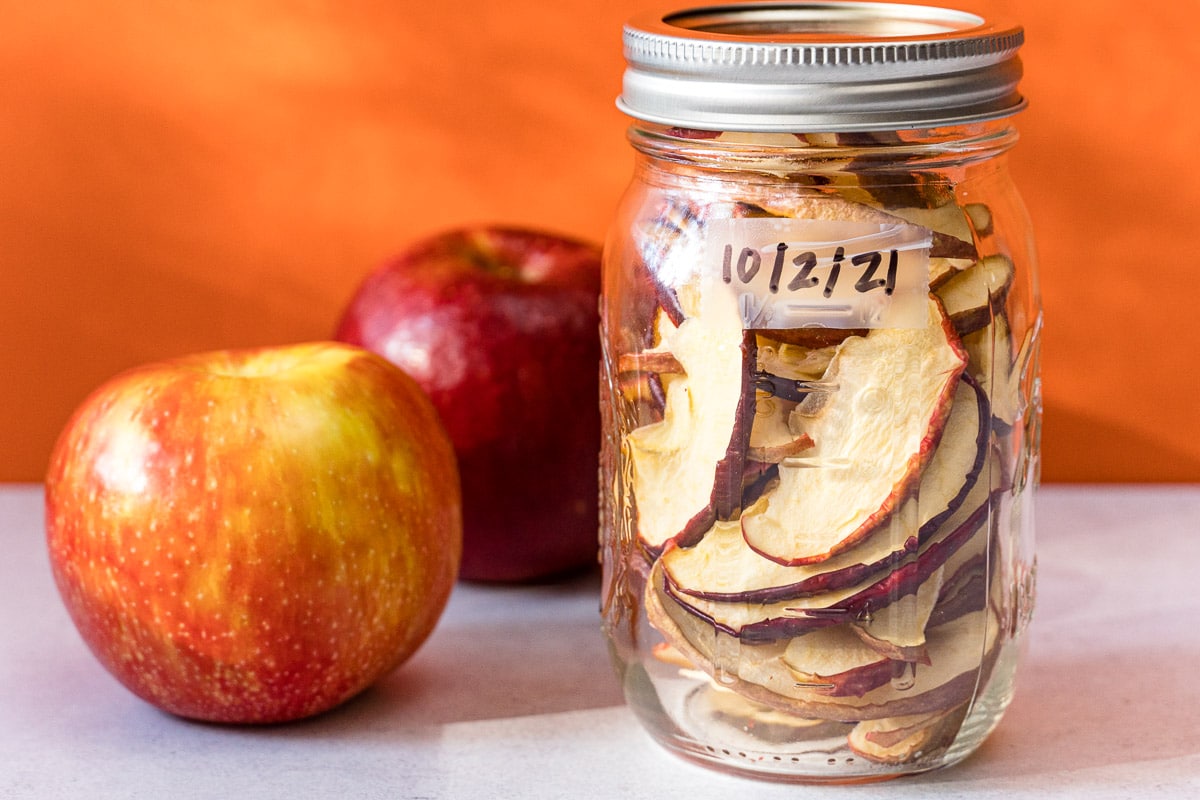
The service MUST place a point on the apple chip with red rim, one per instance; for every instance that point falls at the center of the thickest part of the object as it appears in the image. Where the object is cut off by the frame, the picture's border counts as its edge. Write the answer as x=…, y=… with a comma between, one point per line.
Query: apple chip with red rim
x=873, y=436
x=760, y=620
x=688, y=468
x=723, y=567
x=960, y=654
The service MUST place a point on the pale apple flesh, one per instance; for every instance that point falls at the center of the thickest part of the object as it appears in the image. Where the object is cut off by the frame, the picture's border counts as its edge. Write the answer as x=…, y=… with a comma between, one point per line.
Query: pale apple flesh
x=897, y=630
x=836, y=497
x=897, y=740
x=974, y=296
x=688, y=468
x=760, y=672
x=721, y=566
x=771, y=437
x=768, y=620
x=834, y=662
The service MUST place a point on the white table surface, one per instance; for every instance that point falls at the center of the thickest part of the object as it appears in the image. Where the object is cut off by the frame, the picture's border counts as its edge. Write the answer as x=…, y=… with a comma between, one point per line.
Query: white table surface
x=513, y=695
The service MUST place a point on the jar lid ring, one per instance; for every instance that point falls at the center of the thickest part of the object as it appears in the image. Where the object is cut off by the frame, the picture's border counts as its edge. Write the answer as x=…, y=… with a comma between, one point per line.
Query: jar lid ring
x=781, y=65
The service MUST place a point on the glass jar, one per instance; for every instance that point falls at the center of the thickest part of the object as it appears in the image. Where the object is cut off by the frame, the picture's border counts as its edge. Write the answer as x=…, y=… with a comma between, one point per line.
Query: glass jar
x=820, y=322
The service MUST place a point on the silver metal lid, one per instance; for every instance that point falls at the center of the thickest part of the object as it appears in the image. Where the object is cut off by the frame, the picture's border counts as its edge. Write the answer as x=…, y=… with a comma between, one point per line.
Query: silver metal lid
x=819, y=66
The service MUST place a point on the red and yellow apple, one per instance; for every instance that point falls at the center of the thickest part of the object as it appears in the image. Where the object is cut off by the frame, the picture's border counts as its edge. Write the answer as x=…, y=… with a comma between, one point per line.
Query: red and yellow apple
x=500, y=327
x=254, y=536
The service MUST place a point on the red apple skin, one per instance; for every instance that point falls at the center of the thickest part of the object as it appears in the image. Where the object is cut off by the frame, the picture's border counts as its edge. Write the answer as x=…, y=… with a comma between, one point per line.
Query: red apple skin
x=254, y=536
x=500, y=326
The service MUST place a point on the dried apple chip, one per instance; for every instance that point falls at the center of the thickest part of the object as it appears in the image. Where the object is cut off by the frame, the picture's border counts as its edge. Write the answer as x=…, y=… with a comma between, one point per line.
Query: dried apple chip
x=873, y=436
x=898, y=740
x=960, y=654
x=688, y=467
x=974, y=296
x=765, y=617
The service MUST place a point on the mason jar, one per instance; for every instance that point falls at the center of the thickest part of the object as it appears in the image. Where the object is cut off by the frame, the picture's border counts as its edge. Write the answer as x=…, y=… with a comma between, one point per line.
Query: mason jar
x=820, y=391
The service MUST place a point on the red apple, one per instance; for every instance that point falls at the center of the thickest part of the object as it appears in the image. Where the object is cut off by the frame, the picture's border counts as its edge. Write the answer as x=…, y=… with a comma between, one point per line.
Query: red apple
x=500, y=327
x=254, y=536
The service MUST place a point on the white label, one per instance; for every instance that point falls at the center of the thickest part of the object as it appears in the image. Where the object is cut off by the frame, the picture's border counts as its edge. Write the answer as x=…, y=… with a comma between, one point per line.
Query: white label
x=805, y=273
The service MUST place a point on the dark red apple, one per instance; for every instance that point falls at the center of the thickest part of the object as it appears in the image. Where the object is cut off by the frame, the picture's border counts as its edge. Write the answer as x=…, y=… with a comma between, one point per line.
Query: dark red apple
x=500, y=327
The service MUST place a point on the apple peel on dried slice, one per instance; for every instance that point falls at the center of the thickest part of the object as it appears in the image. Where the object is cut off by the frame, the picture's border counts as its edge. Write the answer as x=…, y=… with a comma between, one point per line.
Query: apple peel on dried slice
x=771, y=438
x=897, y=631
x=998, y=369
x=687, y=469
x=873, y=437
x=960, y=653
x=953, y=247
x=964, y=584
x=722, y=567
x=753, y=620
x=669, y=248
x=974, y=296
x=966, y=572
x=959, y=460
x=835, y=662
x=956, y=240
x=899, y=740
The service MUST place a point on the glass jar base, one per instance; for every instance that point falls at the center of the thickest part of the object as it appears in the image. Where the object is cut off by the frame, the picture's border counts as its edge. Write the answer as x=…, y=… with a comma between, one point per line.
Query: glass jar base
x=708, y=725
x=823, y=759
x=785, y=769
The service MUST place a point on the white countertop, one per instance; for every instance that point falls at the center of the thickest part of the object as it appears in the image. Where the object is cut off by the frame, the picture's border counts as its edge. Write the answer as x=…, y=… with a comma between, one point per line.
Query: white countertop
x=513, y=695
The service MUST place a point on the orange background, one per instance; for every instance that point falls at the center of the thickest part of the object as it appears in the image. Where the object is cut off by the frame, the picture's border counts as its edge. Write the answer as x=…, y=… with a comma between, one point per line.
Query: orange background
x=183, y=176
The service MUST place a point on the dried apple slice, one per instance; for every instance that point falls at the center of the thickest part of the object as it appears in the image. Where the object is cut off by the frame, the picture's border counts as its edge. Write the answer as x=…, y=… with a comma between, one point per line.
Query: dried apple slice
x=974, y=296
x=835, y=662
x=959, y=653
x=754, y=620
x=639, y=382
x=792, y=363
x=897, y=631
x=758, y=478
x=873, y=436
x=965, y=587
x=953, y=249
x=669, y=248
x=688, y=468
x=980, y=215
x=762, y=615
x=899, y=740
x=660, y=361
x=722, y=566
x=642, y=393
x=771, y=440
x=965, y=574
x=800, y=349
x=998, y=369
x=947, y=238
x=960, y=458
x=957, y=239
x=897, y=190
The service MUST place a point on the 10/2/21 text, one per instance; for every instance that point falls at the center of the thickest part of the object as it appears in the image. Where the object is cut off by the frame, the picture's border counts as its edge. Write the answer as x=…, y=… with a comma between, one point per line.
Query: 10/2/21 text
x=789, y=272
x=749, y=262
